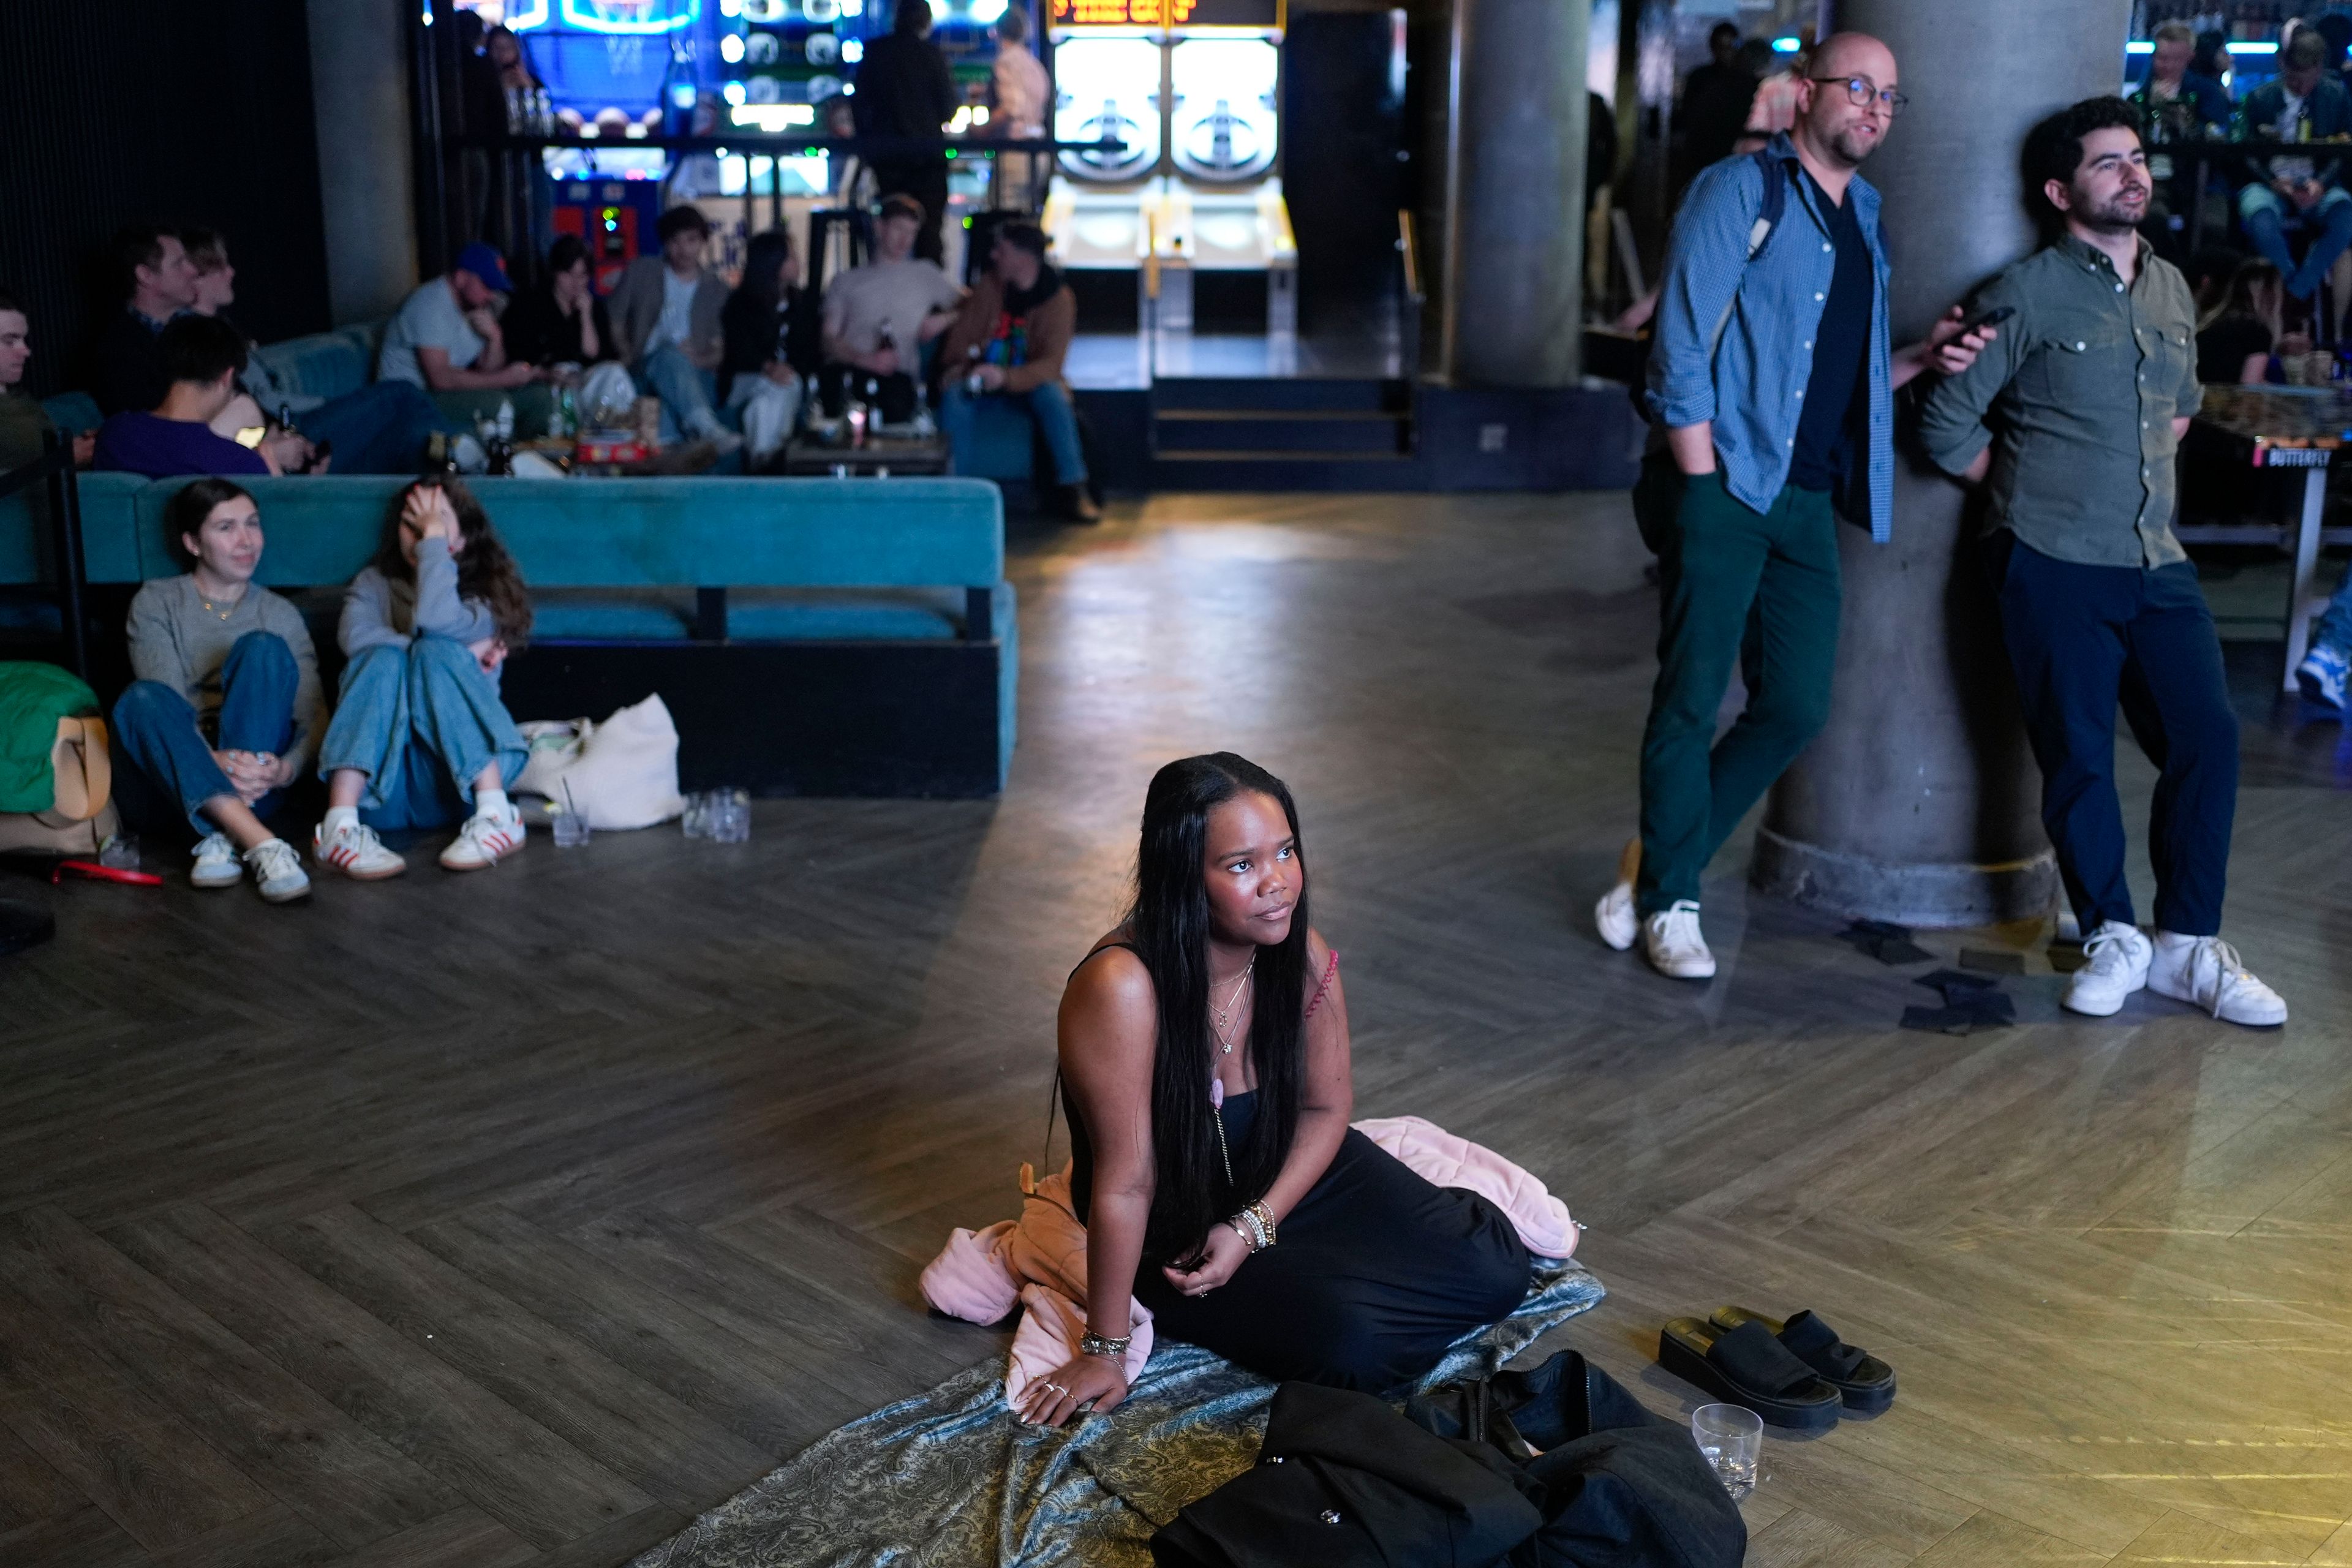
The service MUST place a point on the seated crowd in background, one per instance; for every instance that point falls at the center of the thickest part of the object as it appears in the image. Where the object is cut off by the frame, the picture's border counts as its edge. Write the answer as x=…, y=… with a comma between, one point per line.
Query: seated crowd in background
x=561, y=322
x=2242, y=334
x=24, y=424
x=382, y=428
x=767, y=330
x=446, y=339
x=199, y=359
x=877, y=316
x=1008, y=341
x=2304, y=101
x=666, y=313
x=227, y=711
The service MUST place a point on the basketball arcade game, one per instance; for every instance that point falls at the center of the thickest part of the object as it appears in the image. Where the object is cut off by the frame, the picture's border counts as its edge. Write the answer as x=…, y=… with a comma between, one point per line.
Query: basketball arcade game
x=1187, y=219
x=620, y=73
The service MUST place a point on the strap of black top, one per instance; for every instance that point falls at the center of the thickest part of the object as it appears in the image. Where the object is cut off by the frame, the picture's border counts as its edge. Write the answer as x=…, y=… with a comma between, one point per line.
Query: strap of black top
x=1053, y=1096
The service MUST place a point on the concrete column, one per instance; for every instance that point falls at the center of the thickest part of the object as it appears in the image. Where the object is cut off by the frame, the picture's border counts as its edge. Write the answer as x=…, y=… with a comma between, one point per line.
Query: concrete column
x=359, y=77
x=1919, y=803
x=1515, y=232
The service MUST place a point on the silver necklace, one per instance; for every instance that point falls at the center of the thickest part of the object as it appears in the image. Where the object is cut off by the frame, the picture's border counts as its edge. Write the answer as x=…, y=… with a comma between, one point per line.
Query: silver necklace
x=1225, y=1015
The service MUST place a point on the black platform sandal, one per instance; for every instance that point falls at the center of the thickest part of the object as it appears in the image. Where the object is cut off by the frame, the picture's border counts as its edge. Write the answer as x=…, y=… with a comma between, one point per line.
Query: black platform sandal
x=1746, y=1366
x=1865, y=1383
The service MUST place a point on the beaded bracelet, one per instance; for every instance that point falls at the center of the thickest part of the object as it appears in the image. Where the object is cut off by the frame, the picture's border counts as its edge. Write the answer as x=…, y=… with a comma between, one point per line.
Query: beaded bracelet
x=1254, y=1226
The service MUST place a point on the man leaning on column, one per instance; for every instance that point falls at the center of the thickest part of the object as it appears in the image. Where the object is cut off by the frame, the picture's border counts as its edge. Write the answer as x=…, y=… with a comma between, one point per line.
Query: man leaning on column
x=2071, y=422
x=1774, y=376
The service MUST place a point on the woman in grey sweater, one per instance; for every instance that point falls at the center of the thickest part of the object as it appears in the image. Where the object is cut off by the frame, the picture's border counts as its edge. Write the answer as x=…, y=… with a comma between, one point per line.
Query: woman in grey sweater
x=420, y=737
x=226, y=706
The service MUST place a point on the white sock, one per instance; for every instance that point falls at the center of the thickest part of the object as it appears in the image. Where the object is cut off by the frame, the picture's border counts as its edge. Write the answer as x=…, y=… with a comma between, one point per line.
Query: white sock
x=338, y=818
x=2171, y=943
x=490, y=803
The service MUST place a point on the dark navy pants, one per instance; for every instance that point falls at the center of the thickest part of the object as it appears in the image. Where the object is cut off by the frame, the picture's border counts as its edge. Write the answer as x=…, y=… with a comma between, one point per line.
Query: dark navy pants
x=168, y=769
x=2084, y=639
x=379, y=429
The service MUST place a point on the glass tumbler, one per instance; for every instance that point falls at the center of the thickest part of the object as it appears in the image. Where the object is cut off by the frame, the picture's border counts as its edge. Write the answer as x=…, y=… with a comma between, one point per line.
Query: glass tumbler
x=730, y=816
x=696, y=823
x=1731, y=1437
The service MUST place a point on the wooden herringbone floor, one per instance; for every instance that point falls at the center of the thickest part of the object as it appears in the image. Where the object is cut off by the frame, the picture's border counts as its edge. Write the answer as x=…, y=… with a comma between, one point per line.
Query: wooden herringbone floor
x=518, y=1219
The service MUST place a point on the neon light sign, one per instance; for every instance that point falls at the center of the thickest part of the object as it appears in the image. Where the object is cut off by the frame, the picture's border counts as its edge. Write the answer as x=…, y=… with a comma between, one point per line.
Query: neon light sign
x=630, y=17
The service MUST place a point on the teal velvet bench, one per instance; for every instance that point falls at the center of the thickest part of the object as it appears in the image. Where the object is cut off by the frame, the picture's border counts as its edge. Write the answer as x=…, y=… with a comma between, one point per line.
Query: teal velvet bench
x=810, y=637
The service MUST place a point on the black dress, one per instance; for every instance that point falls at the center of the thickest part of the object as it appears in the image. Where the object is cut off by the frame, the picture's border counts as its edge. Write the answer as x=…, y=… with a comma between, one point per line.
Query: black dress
x=1374, y=1273
x=538, y=331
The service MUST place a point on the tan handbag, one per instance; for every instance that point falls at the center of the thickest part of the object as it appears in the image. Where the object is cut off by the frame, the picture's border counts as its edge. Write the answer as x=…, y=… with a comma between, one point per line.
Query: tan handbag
x=81, y=815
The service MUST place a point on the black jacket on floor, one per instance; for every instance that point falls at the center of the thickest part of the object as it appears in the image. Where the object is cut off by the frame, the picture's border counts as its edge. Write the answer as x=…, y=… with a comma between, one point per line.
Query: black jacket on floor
x=1457, y=1482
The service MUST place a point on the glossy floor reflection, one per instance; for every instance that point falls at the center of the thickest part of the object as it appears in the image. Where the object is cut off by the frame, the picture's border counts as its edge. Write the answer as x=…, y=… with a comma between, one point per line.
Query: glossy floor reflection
x=519, y=1217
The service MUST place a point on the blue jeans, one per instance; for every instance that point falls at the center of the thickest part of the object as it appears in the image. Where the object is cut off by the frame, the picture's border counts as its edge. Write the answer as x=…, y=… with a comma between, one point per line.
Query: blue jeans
x=2082, y=638
x=379, y=429
x=1047, y=405
x=2334, y=628
x=689, y=396
x=168, y=771
x=2262, y=209
x=422, y=723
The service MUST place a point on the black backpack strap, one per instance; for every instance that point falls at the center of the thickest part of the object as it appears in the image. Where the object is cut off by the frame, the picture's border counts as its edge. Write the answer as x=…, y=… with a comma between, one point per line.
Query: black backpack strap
x=1775, y=203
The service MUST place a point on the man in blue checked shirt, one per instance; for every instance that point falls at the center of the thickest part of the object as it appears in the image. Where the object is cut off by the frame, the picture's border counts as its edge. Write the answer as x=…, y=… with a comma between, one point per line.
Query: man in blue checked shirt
x=1774, y=376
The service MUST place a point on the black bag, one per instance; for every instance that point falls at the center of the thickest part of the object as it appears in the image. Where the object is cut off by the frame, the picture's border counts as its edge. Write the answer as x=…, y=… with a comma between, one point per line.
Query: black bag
x=1621, y=1487
x=1557, y=1468
x=1342, y=1480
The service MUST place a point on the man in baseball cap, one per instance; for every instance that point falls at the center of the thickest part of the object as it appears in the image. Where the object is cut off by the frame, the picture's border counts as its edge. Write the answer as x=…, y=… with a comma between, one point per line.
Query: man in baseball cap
x=445, y=337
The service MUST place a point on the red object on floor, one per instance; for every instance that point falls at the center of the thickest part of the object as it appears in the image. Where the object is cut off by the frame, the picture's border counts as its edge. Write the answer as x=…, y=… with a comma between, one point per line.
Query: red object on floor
x=98, y=873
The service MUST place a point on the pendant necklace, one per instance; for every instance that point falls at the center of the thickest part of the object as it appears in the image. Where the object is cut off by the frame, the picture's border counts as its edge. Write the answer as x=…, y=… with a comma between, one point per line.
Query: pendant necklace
x=1223, y=1018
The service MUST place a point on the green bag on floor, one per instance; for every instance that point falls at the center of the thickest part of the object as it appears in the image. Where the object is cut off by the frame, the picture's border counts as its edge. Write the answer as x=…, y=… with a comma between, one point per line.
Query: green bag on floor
x=33, y=697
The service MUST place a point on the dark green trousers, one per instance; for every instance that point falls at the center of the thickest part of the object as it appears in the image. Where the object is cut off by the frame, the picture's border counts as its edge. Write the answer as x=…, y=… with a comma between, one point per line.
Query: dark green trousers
x=1759, y=588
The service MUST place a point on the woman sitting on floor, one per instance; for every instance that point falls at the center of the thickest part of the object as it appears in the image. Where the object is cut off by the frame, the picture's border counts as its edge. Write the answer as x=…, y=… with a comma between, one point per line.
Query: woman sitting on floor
x=226, y=706
x=419, y=729
x=1204, y=1047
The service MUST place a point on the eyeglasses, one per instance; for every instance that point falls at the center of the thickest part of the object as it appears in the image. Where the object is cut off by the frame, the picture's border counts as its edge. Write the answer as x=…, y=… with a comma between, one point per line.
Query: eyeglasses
x=1861, y=91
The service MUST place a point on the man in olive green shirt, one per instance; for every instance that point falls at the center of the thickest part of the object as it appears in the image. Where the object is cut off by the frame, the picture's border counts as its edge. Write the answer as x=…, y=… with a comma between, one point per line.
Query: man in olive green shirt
x=2071, y=418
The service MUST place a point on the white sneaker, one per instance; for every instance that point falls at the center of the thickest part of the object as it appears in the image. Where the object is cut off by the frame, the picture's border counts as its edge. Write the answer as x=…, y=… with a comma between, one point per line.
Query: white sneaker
x=2114, y=964
x=2324, y=675
x=277, y=871
x=1673, y=945
x=1619, y=922
x=356, y=852
x=216, y=863
x=2206, y=973
x=483, y=840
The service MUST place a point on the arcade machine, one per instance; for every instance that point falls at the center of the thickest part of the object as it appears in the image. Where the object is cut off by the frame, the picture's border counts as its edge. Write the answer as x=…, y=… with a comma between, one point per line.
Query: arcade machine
x=1188, y=220
x=614, y=71
x=785, y=59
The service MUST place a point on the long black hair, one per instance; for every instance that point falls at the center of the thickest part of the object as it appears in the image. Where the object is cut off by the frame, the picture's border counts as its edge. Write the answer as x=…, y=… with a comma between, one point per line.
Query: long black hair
x=1170, y=926
x=763, y=262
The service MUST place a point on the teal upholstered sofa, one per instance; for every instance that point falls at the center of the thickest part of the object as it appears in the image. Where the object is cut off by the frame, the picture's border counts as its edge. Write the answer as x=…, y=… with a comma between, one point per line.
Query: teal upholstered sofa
x=816, y=636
